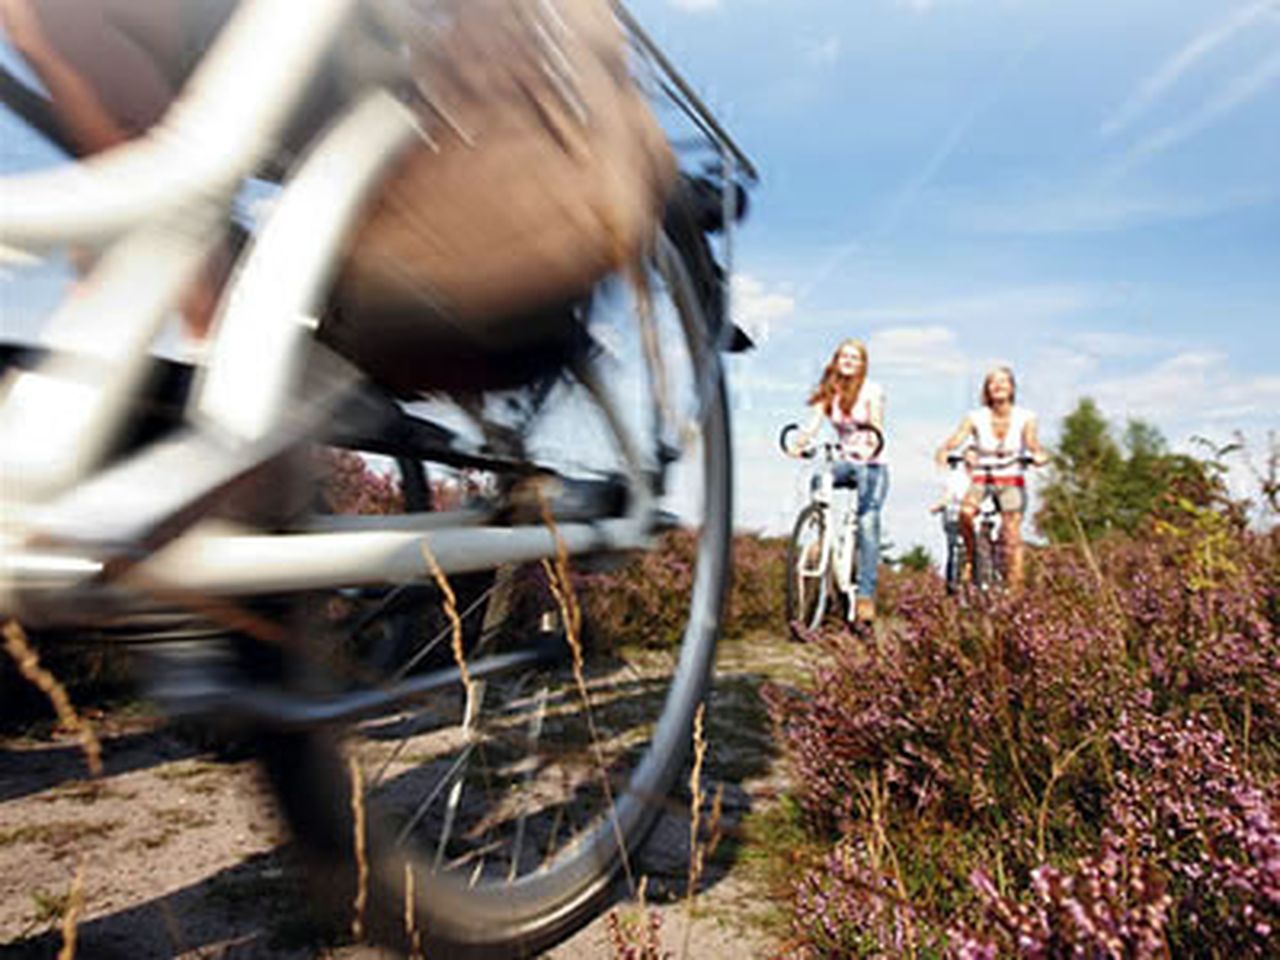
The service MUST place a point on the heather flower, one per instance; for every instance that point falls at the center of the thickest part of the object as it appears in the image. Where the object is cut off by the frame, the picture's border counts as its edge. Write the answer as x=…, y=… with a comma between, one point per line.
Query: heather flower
x=1086, y=769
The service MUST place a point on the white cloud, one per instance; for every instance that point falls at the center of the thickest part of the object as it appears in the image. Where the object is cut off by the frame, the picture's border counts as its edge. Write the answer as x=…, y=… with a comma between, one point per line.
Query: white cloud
x=922, y=350
x=1191, y=391
x=759, y=309
x=1155, y=84
x=695, y=6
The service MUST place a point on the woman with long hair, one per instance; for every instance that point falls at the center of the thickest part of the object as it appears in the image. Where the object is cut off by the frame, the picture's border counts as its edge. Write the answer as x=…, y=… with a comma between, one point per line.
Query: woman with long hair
x=847, y=400
x=1000, y=434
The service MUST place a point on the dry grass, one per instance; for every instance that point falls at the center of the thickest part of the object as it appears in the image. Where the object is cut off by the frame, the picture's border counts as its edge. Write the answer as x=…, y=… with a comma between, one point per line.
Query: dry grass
x=17, y=646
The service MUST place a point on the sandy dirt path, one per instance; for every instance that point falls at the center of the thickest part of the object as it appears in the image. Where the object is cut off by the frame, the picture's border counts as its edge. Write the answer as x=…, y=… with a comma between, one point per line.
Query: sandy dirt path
x=182, y=856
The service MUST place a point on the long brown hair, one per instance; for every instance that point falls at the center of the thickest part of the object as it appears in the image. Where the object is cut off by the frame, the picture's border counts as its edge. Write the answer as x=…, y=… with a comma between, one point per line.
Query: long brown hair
x=835, y=387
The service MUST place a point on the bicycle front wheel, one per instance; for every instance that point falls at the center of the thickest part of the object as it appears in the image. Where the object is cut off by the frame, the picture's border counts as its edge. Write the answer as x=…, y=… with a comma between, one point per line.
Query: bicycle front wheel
x=985, y=566
x=955, y=557
x=807, y=574
x=498, y=814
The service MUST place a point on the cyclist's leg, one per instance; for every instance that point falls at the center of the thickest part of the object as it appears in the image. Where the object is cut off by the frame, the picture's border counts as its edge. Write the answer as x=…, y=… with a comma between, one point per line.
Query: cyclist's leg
x=873, y=487
x=1013, y=503
x=969, y=517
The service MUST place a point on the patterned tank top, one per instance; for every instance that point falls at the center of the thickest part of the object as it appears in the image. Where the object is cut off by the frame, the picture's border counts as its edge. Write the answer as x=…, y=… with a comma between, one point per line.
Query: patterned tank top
x=999, y=454
x=846, y=425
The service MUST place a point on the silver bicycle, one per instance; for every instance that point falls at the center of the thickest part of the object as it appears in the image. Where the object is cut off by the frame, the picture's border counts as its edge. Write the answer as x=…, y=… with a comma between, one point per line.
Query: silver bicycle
x=507, y=761
x=822, y=552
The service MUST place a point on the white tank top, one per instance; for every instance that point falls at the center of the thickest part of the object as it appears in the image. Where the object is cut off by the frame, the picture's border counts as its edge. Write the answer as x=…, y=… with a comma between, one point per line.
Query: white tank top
x=995, y=452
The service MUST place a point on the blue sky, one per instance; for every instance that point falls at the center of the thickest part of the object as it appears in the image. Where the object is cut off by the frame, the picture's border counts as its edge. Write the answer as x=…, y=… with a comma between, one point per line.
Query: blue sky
x=1088, y=191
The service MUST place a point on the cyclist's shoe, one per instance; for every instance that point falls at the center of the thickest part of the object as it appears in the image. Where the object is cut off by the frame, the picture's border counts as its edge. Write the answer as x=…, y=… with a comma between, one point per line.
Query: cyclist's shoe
x=864, y=610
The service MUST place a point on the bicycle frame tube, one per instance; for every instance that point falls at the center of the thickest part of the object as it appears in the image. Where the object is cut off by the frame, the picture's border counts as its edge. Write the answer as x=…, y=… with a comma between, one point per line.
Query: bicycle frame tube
x=164, y=199
x=226, y=120
x=846, y=544
x=274, y=306
x=839, y=538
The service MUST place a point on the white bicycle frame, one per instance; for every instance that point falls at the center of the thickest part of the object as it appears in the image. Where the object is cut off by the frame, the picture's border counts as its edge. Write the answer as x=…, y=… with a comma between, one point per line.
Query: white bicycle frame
x=154, y=209
x=839, y=539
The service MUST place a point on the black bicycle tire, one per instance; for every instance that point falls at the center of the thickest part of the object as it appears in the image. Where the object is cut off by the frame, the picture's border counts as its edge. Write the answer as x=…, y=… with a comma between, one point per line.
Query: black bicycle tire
x=314, y=791
x=984, y=569
x=954, y=569
x=799, y=623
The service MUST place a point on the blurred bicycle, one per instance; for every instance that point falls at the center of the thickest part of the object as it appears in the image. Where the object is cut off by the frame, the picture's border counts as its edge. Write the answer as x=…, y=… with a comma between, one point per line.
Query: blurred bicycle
x=425, y=672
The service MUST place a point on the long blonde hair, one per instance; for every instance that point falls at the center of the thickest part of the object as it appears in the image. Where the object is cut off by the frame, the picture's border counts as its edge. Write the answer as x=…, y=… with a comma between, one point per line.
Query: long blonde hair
x=834, y=387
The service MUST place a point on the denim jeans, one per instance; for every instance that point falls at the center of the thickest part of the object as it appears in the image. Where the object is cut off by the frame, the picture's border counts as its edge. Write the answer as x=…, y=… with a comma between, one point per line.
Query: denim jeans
x=871, y=480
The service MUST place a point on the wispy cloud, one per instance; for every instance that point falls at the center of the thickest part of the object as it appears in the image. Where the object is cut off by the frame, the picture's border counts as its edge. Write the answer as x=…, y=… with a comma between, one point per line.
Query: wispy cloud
x=1113, y=345
x=758, y=309
x=1019, y=305
x=695, y=6
x=917, y=350
x=1155, y=84
x=1042, y=209
x=911, y=189
x=1199, y=384
x=1237, y=93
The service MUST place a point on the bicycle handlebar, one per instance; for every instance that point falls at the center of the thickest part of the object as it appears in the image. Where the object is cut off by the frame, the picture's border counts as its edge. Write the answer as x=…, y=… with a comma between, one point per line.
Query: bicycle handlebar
x=830, y=448
x=954, y=459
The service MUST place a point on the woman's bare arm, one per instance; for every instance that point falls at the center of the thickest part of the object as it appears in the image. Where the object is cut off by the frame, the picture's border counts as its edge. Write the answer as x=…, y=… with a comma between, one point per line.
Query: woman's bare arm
x=1031, y=440
x=809, y=431
x=961, y=433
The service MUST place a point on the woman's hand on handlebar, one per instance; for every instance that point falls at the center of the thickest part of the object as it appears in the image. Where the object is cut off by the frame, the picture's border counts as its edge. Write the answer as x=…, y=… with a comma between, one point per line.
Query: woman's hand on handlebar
x=865, y=443
x=795, y=442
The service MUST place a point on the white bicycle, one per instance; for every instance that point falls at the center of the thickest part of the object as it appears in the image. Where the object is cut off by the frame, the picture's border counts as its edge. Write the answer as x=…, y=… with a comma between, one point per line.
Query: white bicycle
x=822, y=552
x=501, y=794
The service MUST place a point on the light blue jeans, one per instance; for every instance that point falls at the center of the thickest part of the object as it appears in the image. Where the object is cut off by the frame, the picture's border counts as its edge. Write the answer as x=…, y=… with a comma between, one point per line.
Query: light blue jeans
x=871, y=480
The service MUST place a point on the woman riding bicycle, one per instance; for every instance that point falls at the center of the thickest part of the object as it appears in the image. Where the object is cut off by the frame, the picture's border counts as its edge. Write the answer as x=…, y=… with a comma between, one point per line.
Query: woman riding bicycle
x=1003, y=436
x=846, y=399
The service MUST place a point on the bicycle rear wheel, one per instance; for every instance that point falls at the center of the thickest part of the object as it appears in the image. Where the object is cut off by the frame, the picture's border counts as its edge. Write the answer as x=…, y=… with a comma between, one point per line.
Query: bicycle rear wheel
x=807, y=574
x=985, y=568
x=509, y=806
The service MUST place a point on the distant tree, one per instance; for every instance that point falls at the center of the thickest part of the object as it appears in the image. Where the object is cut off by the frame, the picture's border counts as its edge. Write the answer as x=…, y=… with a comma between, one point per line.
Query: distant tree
x=1082, y=477
x=1097, y=486
x=917, y=558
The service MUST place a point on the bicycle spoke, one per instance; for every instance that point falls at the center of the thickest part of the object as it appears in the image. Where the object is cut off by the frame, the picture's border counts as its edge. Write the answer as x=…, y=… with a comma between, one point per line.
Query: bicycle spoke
x=475, y=697
x=535, y=733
